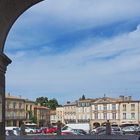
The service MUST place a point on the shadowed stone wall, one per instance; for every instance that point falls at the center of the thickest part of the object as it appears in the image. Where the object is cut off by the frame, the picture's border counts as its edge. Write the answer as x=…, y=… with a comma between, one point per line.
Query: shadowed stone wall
x=10, y=10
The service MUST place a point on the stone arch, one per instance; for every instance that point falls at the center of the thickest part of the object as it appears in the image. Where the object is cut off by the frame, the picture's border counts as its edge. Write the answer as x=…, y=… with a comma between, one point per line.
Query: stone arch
x=10, y=10
x=103, y=124
x=96, y=124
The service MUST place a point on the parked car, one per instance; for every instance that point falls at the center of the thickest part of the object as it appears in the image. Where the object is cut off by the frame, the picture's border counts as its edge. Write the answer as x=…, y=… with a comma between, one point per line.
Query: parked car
x=98, y=130
x=30, y=130
x=10, y=133
x=129, y=130
x=12, y=130
x=102, y=131
x=68, y=133
x=37, y=130
x=117, y=131
x=43, y=130
x=80, y=131
x=51, y=130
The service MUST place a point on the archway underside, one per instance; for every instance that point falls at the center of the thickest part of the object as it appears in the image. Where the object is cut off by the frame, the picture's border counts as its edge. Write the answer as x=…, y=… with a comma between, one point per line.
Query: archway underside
x=10, y=10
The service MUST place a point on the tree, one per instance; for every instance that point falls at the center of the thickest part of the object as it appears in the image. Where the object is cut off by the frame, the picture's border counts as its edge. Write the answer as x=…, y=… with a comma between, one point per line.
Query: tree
x=53, y=103
x=32, y=117
x=42, y=101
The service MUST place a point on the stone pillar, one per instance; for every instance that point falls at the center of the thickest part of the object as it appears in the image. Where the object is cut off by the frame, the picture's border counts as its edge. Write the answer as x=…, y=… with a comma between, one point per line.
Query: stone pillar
x=4, y=61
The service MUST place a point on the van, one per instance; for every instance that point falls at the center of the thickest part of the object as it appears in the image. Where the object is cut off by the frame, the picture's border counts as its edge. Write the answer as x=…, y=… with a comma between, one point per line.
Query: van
x=16, y=130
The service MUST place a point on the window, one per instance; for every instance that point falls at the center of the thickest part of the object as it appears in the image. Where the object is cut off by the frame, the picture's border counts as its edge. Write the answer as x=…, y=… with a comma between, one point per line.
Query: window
x=20, y=105
x=8, y=105
x=113, y=106
x=79, y=104
x=26, y=107
x=114, y=116
x=96, y=107
x=132, y=107
x=83, y=104
x=105, y=116
x=30, y=107
x=96, y=116
x=124, y=115
x=14, y=105
x=124, y=107
x=132, y=115
x=105, y=107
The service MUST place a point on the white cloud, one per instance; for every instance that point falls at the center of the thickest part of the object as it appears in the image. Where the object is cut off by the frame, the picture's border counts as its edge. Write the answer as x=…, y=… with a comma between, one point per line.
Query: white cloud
x=82, y=68
x=88, y=12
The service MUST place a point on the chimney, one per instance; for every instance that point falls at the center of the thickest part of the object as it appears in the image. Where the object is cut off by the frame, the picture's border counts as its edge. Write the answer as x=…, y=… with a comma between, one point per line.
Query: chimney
x=129, y=98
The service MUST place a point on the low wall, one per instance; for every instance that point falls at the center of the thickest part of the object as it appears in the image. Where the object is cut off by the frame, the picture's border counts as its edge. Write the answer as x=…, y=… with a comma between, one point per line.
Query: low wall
x=88, y=137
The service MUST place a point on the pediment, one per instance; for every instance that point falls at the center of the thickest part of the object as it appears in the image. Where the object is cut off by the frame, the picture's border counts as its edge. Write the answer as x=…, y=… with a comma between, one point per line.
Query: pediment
x=106, y=100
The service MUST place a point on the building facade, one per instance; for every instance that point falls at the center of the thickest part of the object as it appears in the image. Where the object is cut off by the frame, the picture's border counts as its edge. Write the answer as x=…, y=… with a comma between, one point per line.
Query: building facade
x=53, y=117
x=104, y=109
x=29, y=110
x=70, y=112
x=15, y=110
x=83, y=110
x=19, y=110
x=41, y=114
x=129, y=110
x=60, y=114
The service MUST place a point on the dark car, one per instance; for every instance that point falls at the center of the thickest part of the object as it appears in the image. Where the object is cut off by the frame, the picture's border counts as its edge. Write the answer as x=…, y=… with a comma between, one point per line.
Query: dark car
x=130, y=129
x=80, y=131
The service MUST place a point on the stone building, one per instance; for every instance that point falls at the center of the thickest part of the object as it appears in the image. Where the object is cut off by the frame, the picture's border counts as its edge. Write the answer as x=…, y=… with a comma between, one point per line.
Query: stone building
x=53, y=117
x=83, y=110
x=15, y=110
x=104, y=109
x=41, y=114
x=29, y=110
x=60, y=114
x=129, y=110
x=70, y=112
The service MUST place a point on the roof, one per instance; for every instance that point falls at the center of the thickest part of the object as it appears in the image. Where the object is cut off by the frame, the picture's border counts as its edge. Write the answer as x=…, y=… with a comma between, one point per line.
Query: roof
x=29, y=101
x=105, y=100
x=71, y=104
x=40, y=107
x=14, y=97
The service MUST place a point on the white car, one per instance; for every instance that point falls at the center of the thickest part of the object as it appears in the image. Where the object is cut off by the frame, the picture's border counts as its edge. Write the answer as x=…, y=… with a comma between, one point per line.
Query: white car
x=16, y=130
x=30, y=130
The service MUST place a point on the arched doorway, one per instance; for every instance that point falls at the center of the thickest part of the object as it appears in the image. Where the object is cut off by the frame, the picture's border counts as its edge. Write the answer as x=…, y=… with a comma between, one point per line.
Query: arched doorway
x=10, y=11
x=96, y=124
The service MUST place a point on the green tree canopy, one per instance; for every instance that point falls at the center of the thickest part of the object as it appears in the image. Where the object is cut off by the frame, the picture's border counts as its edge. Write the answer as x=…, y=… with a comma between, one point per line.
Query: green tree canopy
x=53, y=103
x=44, y=101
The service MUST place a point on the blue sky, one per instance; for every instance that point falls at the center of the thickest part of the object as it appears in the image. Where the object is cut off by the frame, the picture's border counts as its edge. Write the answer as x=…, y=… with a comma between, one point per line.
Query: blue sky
x=65, y=48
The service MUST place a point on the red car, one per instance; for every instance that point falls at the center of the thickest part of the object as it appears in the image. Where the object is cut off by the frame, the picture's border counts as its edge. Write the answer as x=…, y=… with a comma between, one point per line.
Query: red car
x=68, y=133
x=43, y=130
x=52, y=130
x=48, y=130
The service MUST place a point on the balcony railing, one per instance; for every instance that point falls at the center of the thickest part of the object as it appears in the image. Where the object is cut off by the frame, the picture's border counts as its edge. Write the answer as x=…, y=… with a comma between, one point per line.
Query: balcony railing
x=15, y=117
